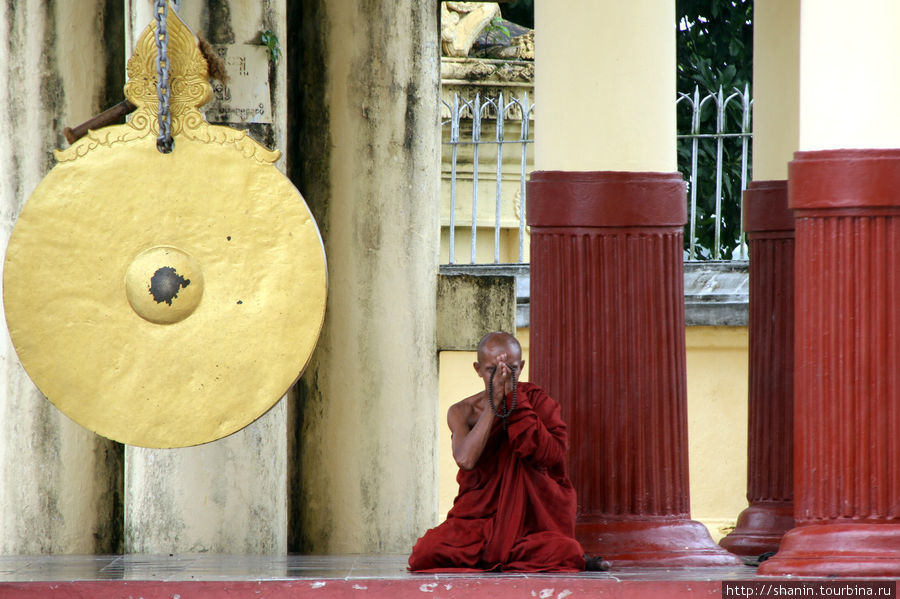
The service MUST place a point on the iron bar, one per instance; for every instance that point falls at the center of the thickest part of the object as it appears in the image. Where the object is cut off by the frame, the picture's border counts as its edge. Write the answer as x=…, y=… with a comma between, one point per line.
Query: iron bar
x=523, y=138
x=454, y=141
x=476, y=138
x=501, y=109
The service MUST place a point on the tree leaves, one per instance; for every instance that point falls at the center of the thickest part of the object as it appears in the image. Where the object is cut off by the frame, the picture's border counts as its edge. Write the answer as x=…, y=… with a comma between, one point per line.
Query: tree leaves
x=714, y=45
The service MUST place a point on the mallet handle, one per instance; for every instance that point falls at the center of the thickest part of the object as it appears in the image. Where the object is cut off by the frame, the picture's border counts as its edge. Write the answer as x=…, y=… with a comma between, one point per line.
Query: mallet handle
x=107, y=117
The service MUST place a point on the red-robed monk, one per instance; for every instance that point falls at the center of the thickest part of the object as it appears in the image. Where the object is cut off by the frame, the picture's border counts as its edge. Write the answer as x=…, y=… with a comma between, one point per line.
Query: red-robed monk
x=516, y=506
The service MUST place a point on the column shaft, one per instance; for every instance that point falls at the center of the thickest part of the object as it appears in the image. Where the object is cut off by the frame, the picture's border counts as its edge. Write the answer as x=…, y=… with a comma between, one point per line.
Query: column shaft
x=229, y=496
x=770, y=226
x=607, y=341
x=844, y=443
x=847, y=292
x=842, y=52
x=60, y=484
x=607, y=304
x=628, y=96
x=847, y=399
x=368, y=157
x=776, y=87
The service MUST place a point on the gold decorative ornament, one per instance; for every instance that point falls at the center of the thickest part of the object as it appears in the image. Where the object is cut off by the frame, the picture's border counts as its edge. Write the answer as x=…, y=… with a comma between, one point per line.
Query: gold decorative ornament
x=165, y=300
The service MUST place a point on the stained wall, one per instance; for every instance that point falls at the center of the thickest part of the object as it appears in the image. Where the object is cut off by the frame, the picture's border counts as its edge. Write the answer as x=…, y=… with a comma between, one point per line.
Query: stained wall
x=60, y=485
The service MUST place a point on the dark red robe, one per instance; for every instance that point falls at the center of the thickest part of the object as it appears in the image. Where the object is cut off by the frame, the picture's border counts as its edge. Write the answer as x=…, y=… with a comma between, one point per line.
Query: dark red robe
x=516, y=509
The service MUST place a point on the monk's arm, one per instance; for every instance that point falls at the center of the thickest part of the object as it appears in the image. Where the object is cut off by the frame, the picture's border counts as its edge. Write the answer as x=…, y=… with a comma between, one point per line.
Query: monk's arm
x=468, y=443
x=537, y=436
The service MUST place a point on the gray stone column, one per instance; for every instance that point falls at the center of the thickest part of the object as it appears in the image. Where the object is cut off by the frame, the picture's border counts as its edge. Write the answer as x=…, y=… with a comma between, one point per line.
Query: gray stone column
x=229, y=496
x=366, y=155
x=60, y=484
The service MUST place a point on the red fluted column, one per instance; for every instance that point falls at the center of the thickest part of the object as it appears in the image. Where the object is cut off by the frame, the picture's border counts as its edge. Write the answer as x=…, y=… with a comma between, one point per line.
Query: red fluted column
x=847, y=381
x=770, y=437
x=607, y=341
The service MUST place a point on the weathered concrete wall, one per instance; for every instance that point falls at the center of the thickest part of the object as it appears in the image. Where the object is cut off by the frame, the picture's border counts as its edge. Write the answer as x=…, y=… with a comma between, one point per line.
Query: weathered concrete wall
x=60, y=485
x=469, y=306
x=229, y=496
x=367, y=159
x=232, y=22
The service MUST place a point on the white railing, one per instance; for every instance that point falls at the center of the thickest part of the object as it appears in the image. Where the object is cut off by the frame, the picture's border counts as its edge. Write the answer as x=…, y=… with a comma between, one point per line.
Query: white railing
x=741, y=101
x=496, y=113
x=485, y=131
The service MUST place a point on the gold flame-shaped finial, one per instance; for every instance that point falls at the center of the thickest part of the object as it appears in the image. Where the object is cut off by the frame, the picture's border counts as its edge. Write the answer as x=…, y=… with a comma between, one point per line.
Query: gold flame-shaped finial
x=190, y=89
x=188, y=74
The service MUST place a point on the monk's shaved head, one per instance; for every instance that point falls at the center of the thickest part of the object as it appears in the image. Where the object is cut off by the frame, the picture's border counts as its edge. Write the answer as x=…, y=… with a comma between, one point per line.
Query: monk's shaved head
x=500, y=339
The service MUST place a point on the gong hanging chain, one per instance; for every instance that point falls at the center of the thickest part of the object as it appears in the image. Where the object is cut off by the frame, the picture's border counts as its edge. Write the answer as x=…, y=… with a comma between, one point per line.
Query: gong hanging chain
x=164, y=143
x=503, y=412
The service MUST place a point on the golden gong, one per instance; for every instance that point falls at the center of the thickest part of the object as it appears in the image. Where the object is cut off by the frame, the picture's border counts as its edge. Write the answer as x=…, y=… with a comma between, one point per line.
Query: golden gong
x=165, y=300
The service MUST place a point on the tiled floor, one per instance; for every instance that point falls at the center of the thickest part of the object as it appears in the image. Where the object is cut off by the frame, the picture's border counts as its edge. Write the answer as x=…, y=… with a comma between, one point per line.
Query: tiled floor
x=206, y=567
x=358, y=576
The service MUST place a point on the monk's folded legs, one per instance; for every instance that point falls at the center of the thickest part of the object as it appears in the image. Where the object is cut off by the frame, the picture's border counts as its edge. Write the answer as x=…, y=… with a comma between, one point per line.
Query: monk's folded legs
x=546, y=551
x=456, y=543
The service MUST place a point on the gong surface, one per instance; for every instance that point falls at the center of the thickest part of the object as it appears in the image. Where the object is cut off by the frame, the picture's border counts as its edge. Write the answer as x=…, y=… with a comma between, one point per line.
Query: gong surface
x=165, y=300
x=98, y=229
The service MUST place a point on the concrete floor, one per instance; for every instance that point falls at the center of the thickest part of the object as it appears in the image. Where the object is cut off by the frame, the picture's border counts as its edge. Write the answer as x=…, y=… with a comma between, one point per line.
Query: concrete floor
x=324, y=577
x=59, y=568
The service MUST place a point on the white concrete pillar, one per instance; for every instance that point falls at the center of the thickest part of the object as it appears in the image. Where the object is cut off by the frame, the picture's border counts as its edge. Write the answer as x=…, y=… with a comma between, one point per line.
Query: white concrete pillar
x=229, y=496
x=843, y=190
x=849, y=91
x=602, y=87
x=607, y=197
x=60, y=484
x=368, y=163
x=770, y=227
x=776, y=87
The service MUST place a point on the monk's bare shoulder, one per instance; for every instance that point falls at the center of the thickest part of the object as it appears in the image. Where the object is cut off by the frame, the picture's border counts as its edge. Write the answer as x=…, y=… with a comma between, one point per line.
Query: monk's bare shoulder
x=464, y=412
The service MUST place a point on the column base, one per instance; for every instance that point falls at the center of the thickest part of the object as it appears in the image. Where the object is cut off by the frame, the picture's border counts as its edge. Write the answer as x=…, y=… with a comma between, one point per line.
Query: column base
x=760, y=528
x=679, y=543
x=852, y=549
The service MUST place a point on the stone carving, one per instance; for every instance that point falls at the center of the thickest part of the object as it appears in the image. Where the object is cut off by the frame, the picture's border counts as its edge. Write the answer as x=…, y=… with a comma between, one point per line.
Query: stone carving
x=477, y=29
x=519, y=47
x=462, y=23
x=488, y=70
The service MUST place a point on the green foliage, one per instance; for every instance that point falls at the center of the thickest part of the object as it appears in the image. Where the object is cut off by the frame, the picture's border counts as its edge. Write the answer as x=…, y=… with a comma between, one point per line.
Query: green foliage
x=714, y=49
x=497, y=26
x=520, y=12
x=714, y=44
x=270, y=41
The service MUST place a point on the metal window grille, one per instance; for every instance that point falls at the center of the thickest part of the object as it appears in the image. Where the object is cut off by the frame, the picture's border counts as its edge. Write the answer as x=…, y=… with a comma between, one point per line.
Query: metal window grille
x=479, y=127
x=480, y=151
x=713, y=158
